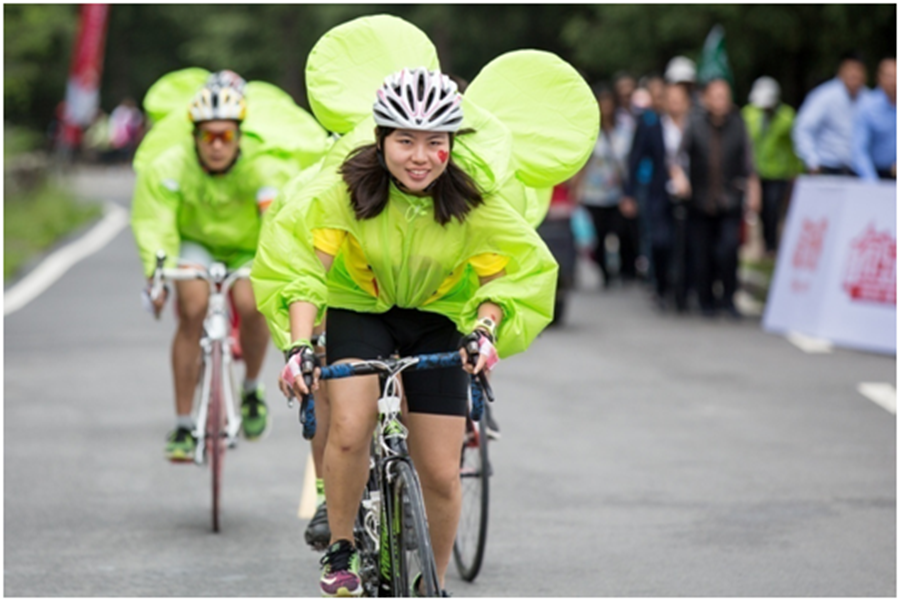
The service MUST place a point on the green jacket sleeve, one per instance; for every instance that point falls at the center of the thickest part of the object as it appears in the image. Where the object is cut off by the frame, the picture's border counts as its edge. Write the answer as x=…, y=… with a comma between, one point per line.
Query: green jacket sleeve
x=286, y=269
x=527, y=292
x=154, y=219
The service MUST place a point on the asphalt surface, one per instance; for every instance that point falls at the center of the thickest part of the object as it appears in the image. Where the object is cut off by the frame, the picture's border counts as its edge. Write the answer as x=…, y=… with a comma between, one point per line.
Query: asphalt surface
x=642, y=455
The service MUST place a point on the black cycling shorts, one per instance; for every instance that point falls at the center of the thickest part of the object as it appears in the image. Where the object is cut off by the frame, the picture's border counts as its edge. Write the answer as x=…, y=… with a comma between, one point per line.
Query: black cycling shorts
x=353, y=335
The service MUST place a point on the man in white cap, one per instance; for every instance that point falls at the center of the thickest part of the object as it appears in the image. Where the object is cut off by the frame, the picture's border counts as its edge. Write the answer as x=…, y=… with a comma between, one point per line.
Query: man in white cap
x=769, y=123
x=681, y=69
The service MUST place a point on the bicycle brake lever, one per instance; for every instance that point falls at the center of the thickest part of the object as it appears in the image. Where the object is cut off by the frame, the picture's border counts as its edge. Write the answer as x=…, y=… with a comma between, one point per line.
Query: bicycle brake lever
x=485, y=386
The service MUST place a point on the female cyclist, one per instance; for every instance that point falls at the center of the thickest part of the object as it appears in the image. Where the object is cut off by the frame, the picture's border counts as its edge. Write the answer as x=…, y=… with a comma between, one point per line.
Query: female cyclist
x=408, y=254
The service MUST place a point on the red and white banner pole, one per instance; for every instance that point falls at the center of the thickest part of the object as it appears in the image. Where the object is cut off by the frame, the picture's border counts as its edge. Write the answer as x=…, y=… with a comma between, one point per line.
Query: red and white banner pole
x=83, y=89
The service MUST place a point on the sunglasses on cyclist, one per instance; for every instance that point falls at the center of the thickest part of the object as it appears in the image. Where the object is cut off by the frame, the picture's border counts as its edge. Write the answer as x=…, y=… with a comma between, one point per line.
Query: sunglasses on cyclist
x=208, y=137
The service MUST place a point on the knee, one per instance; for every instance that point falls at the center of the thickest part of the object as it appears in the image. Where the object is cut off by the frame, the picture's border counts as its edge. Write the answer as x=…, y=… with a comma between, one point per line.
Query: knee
x=245, y=302
x=347, y=437
x=441, y=480
x=191, y=315
x=248, y=311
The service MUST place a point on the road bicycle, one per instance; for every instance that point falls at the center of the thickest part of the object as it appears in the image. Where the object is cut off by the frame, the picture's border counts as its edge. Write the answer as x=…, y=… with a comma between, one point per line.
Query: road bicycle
x=218, y=424
x=391, y=531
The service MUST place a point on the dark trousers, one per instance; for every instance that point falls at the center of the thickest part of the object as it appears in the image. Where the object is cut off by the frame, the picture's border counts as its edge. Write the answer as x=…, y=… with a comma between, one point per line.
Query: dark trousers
x=629, y=245
x=774, y=192
x=715, y=240
x=604, y=222
x=661, y=263
x=609, y=220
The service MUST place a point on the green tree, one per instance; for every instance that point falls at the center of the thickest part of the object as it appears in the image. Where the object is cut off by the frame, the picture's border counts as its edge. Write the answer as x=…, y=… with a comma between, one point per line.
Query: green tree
x=35, y=36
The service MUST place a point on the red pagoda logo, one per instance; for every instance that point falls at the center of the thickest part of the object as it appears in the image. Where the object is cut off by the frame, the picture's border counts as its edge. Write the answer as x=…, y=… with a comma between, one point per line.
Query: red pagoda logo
x=871, y=273
x=809, y=247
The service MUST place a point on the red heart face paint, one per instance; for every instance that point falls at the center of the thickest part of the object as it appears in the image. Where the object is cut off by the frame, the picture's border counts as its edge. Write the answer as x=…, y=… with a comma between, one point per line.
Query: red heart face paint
x=443, y=155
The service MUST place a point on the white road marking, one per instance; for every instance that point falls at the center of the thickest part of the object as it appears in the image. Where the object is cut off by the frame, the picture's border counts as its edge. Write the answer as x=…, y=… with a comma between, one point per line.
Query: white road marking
x=58, y=263
x=308, y=497
x=880, y=393
x=808, y=344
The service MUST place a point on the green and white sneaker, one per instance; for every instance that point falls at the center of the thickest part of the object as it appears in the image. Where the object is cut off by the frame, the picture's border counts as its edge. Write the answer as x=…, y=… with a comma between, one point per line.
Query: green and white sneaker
x=180, y=445
x=340, y=571
x=254, y=414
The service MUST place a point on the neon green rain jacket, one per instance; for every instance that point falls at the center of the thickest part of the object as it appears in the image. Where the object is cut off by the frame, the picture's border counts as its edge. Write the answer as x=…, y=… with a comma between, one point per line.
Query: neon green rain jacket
x=175, y=199
x=409, y=253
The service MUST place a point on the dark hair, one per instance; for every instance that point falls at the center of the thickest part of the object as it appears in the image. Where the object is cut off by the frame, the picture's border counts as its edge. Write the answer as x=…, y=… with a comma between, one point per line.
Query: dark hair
x=623, y=74
x=455, y=193
x=852, y=55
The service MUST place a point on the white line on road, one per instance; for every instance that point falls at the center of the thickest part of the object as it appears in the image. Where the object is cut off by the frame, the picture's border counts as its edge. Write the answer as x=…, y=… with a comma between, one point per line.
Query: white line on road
x=808, y=344
x=880, y=393
x=308, y=497
x=59, y=262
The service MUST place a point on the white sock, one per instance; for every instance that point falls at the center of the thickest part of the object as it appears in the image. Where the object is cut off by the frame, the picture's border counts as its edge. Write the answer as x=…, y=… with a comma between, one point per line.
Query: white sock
x=184, y=421
x=251, y=385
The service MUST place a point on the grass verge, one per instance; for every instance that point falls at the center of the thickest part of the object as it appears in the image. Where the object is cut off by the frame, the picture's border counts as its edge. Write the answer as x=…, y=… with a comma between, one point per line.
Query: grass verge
x=33, y=222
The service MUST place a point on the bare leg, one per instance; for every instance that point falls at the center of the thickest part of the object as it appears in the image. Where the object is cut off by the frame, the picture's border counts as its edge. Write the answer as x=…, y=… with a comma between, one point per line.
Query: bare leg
x=346, y=460
x=253, y=330
x=435, y=444
x=192, y=297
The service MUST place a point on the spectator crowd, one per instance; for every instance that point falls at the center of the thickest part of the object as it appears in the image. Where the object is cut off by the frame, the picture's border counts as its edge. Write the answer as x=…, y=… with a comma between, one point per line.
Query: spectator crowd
x=678, y=168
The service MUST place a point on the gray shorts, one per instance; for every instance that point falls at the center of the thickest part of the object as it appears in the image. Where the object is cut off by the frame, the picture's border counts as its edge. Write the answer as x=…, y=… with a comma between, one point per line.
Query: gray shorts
x=192, y=253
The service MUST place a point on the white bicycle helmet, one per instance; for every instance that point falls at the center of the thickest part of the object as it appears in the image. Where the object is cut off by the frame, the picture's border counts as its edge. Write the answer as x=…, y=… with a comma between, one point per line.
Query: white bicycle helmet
x=419, y=99
x=221, y=98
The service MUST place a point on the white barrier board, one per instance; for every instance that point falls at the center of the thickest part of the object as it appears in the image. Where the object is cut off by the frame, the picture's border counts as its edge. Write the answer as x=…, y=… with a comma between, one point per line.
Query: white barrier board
x=836, y=275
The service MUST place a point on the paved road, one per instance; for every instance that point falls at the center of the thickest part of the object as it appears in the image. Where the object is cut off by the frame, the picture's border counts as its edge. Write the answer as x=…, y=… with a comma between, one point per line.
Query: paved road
x=642, y=455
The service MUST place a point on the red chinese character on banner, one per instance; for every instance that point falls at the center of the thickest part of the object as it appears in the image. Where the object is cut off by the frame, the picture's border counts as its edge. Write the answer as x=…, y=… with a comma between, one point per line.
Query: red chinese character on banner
x=809, y=246
x=871, y=272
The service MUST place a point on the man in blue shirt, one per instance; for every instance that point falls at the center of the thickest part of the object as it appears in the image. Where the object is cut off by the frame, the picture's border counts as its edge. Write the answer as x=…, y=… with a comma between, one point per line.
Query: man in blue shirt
x=823, y=129
x=875, y=127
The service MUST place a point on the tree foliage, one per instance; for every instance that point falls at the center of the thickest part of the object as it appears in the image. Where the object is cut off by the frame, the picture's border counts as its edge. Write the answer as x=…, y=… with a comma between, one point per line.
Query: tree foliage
x=799, y=45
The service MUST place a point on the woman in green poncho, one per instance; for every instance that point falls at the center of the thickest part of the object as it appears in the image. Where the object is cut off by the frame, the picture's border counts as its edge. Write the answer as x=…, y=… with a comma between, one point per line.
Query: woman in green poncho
x=413, y=237
x=405, y=249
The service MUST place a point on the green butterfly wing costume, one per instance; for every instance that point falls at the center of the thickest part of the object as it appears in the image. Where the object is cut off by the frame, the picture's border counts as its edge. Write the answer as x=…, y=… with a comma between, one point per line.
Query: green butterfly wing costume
x=175, y=199
x=408, y=252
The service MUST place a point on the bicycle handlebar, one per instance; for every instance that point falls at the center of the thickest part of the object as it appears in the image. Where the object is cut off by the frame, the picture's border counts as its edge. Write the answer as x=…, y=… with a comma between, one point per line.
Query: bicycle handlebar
x=479, y=383
x=163, y=274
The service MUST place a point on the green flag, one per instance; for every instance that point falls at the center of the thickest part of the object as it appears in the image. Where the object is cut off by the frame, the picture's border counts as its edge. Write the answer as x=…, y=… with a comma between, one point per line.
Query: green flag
x=714, y=59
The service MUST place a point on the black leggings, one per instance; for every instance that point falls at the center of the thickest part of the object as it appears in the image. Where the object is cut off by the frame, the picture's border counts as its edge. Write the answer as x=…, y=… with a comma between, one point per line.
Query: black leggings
x=353, y=335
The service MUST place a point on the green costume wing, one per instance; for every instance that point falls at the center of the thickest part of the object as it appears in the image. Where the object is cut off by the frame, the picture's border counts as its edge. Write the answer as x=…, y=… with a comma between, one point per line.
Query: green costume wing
x=548, y=108
x=286, y=130
x=173, y=92
x=349, y=63
x=551, y=115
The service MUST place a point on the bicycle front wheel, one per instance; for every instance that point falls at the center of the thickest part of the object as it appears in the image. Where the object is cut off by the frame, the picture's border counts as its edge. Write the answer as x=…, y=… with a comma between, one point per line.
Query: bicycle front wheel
x=474, y=473
x=414, y=558
x=215, y=426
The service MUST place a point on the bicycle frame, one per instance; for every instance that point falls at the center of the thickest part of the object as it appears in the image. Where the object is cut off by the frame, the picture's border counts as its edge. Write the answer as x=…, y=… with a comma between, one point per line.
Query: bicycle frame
x=216, y=329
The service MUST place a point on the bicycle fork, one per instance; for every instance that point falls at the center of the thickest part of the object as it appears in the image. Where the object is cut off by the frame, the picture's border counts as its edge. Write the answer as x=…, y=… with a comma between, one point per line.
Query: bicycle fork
x=216, y=330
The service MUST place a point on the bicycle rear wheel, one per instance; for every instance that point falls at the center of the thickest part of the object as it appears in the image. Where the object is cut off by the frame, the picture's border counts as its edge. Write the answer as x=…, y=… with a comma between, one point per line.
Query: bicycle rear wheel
x=409, y=535
x=474, y=472
x=215, y=426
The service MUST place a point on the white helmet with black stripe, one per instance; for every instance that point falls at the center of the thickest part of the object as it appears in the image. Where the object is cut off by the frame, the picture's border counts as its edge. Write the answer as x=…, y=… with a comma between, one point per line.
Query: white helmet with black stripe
x=419, y=99
x=222, y=97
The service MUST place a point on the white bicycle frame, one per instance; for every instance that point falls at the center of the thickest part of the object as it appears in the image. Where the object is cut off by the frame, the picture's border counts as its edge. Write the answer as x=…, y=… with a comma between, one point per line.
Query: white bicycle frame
x=216, y=328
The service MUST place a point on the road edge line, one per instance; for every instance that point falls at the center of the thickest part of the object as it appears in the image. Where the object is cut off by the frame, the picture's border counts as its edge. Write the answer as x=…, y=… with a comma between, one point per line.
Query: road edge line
x=52, y=268
x=882, y=394
x=307, y=506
